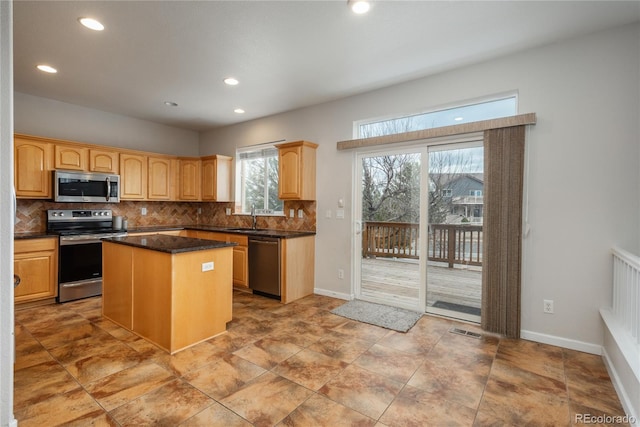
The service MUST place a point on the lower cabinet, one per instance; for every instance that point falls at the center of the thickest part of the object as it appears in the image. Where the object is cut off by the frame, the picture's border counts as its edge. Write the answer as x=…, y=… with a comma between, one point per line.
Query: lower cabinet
x=240, y=254
x=36, y=263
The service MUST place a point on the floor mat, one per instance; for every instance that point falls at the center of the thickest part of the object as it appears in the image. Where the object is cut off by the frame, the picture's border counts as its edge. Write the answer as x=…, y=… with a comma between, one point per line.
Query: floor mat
x=397, y=319
x=457, y=307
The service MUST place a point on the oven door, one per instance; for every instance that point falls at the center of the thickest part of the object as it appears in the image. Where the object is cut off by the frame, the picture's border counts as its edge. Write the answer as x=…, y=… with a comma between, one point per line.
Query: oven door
x=79, y=269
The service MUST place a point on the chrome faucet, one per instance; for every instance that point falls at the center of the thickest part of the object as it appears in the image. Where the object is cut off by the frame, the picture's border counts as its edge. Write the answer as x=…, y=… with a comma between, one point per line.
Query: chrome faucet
x=253, y=216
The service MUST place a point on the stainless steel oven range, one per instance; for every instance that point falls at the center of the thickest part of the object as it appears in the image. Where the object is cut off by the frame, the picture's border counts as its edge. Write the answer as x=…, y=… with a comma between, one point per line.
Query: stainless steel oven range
x=80, y=249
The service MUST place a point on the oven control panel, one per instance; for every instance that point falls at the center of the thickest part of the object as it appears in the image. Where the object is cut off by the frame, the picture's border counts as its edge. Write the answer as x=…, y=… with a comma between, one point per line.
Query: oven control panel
x=54, y=215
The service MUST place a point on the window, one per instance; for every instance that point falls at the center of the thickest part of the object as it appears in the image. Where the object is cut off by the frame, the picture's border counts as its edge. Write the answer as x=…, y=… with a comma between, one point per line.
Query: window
x=257, y=180
x=475, y=192
x=486, y=110
x=447, y=192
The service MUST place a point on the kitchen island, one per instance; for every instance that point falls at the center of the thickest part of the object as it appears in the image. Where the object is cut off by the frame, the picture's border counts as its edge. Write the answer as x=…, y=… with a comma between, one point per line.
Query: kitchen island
x=174, y=291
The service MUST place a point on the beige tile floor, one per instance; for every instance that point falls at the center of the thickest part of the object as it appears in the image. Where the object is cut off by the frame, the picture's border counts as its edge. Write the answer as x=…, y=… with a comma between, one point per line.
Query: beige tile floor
x=295, y=365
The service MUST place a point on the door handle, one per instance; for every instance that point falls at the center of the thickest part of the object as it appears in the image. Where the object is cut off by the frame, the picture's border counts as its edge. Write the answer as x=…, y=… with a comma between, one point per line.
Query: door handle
x=16, y=280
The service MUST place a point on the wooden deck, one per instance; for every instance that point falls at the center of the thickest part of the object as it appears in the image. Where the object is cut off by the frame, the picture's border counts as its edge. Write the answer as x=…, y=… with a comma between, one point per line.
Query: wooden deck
x=399, y=280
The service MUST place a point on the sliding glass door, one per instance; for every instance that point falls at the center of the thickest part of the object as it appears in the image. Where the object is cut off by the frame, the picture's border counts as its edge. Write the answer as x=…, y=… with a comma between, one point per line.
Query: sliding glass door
x=391, y=204
x=432, y=191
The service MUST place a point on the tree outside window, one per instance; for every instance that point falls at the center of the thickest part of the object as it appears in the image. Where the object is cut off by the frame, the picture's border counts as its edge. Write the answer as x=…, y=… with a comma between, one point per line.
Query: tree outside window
x=257, y=175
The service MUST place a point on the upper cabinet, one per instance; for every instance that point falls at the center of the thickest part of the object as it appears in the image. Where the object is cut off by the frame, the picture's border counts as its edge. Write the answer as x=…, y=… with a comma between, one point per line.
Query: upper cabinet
x=33, y=161
x=189, y=178
x=71, y=157
x=159, y=178
x=216, y=178
x=104, y=161
x=297, y=170
x=133, y=177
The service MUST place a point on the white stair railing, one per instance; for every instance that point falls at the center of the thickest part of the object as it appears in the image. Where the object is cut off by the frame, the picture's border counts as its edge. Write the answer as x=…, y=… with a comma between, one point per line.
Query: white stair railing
x=626, y=292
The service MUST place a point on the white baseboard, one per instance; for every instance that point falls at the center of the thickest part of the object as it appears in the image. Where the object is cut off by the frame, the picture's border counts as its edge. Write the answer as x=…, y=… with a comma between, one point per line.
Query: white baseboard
x=562, y=342
x=327, y=293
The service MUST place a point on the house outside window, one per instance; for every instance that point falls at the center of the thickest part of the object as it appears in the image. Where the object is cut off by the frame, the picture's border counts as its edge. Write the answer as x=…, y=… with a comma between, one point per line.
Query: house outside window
x=257, y=180
x=447, y=192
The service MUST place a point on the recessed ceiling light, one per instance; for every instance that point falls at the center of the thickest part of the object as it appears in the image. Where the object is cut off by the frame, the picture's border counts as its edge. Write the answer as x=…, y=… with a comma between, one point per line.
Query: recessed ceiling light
x=458, y=119
x=47, y=69
x=359, y=6
x=91, y=24
x=238, y=111
x=231, y=81
x=170, y=104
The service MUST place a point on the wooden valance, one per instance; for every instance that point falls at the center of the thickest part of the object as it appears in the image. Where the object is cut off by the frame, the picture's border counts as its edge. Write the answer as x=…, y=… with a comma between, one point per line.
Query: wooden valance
x=461, y=129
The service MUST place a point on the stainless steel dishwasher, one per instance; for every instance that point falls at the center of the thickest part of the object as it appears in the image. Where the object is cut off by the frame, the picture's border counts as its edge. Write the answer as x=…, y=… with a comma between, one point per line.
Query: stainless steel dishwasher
x=264, y=266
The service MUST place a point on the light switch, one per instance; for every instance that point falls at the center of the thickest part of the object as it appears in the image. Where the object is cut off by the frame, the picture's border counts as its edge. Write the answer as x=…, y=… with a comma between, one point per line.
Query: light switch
x=328, y=214
x=144, y=211
x=341, y=203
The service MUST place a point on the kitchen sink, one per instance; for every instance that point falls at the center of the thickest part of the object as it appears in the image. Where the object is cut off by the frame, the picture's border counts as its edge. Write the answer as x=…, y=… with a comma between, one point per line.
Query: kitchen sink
x=239, y=229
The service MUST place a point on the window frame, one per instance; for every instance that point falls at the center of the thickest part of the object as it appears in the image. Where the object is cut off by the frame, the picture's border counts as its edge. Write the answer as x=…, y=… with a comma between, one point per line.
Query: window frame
x=357, y=125
x=242, y=206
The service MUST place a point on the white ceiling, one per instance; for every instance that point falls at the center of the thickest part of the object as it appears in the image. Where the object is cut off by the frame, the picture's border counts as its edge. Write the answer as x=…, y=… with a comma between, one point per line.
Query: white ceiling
x=286, y=54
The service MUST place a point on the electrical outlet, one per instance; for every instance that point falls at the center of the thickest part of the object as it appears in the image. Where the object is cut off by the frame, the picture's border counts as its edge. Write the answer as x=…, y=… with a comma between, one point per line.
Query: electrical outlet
x=340, y=273
x=143, y=211
x=207, y=266
x=300, y=213
x=548, y=306
x=199, y=211
x=292, y=213
x=228, y=211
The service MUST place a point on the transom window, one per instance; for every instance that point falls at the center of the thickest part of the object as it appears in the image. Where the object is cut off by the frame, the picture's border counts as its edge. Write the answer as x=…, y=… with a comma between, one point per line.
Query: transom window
x=257, y=180
x=490, y=109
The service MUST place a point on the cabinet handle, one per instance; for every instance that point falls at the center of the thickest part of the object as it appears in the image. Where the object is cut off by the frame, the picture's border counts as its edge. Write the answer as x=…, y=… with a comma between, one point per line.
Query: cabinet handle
x=16, y=280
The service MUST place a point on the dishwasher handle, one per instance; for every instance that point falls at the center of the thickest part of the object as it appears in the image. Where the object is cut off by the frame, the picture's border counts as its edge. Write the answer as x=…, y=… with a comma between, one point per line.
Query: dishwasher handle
x=264, y=242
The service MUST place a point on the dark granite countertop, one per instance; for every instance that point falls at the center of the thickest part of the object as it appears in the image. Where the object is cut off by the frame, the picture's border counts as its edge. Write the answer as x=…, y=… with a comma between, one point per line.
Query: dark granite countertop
x=169, y=244
x=33, y=235
x=283, y=234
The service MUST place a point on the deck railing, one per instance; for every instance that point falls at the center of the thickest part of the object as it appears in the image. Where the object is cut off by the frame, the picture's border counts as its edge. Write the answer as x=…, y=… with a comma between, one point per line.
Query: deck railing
x=450, y=243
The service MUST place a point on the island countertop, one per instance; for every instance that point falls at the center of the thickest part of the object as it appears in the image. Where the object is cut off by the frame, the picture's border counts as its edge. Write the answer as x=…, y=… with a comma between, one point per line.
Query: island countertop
x=169, y=244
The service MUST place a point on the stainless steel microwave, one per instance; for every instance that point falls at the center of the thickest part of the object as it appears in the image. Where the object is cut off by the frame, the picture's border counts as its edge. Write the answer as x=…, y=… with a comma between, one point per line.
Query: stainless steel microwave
x=72, y=186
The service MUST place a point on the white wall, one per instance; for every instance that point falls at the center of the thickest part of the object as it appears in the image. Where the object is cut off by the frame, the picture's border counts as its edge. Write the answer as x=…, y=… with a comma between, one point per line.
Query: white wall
x=6, y=215
x=583, y=183
x=54, y=119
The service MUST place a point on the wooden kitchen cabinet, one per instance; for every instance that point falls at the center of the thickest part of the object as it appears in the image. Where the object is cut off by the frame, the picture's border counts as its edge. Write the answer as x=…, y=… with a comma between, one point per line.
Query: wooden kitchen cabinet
x=240, y=254
x=297, y=170
x=297, y=262
x=133, y=176
x=32, y=162
x=36, y=262
x=159, y=178
x=216, y=178
x=104, y=161
x=189, y=181
x=71, y=157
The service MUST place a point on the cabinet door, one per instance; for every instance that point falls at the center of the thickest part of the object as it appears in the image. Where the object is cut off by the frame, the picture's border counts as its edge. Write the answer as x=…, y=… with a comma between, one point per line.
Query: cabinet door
x=133, y=177
x=71, y=157
x=289, y=180
x=35, y=261
x=32, y=168
x=216, y=178
x=241, y=266
x=103, y=161
x=189, y=177
x=159, y=177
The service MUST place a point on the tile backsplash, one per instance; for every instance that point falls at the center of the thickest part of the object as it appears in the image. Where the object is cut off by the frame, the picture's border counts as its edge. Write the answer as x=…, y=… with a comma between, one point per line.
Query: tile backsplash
x=32, y=214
